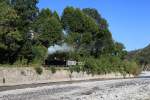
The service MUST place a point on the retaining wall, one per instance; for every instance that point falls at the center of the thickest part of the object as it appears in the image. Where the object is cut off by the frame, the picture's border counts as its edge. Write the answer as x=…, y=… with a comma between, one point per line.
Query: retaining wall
x=28, y=75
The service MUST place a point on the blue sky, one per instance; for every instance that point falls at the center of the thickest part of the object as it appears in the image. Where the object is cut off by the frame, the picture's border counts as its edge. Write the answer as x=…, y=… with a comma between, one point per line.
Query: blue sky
x=129, y=20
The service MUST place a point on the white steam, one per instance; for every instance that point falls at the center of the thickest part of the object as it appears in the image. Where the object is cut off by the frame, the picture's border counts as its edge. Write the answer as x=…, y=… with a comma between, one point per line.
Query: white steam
x=59, y=48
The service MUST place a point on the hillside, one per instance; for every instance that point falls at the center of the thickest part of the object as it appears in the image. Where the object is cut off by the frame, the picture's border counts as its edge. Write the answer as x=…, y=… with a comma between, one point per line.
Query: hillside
x=141, y=55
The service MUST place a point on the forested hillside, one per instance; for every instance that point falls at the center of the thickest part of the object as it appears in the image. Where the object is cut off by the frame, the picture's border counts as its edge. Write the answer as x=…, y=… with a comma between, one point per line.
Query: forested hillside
x=26, y=33
x=142, y=55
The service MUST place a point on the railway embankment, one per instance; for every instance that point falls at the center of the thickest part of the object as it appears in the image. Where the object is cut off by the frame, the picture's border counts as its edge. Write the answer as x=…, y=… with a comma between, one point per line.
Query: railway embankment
x=28, y=75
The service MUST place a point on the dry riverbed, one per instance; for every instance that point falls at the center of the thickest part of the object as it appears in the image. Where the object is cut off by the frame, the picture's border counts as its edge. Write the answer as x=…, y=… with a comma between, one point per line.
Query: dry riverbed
x=128, y=89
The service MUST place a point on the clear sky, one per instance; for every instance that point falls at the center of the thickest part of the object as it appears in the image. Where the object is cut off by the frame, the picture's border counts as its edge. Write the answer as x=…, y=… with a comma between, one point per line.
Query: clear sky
x=129, y=20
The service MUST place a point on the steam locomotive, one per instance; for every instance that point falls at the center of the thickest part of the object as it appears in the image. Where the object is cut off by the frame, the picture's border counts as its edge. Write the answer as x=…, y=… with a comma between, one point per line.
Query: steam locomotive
x=63, y=63
x=61, y=59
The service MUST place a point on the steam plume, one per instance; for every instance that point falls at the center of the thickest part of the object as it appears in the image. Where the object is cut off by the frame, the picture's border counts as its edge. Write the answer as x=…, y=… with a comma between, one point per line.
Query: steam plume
x=59, y=48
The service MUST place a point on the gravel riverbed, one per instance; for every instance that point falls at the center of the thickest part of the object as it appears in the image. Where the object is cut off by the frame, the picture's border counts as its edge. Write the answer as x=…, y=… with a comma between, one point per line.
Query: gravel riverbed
x=122, y=89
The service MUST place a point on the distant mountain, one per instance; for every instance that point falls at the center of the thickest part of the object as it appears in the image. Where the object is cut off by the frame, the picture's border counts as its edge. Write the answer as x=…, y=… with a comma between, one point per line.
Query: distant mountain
x=141, y=55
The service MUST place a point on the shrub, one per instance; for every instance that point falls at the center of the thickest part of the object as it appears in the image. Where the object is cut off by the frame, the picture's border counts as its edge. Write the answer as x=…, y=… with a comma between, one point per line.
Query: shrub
x=53, y=70
x=40, y=54
x=39, y=70
x=107, y=64
x=131, y=68
x=71, y=69
x=135, y=69
x=77, y=68
x=90, y=66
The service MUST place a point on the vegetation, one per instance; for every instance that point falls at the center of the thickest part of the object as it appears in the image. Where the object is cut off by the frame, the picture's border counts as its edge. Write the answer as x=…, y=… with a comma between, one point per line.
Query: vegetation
x=38, y=70
x=53, y=70
x=26, y=34
x=142, y=56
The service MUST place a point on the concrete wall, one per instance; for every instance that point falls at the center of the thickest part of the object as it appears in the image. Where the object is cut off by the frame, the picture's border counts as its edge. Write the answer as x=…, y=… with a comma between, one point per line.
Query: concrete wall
x=27, y=75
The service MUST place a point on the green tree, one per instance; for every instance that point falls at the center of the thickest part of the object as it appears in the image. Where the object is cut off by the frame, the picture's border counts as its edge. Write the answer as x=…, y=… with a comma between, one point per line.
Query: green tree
x=10, y=37
x=27, y=11
x=45, y=13
x=55, y=14
x=103, y=42
x=86, y=38
x=73, y=38
x=72, y=20
x=48, y=28
x=119, y=50
x=81, y=29
x=92, y=13
x=39, y=53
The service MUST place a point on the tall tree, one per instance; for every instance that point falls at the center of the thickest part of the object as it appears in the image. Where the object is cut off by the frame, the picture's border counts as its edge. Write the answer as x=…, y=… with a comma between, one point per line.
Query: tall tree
x=10, y=37
x=88, y=22
x=55, y=14
x=80, y=27
x=103, y=39
x=92, y=13
x=72, y=20
x=27, y=11
x=48, y=27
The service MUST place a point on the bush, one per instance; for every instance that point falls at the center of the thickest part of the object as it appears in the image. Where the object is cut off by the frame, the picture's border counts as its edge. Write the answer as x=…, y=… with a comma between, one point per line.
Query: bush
x=39, y=70
x=76, y=68
x=107, y=64
x=53, y=70
x=40, y=54
x=71, y=69
x=135, y=69
x=130, y=67
x=90, y=66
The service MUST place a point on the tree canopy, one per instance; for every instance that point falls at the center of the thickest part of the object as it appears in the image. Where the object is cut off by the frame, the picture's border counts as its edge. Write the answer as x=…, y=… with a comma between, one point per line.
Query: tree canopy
x=91, y=29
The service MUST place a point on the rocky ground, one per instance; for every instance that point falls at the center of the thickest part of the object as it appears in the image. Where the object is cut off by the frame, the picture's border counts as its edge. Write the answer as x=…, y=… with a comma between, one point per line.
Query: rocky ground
x=128, y=89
